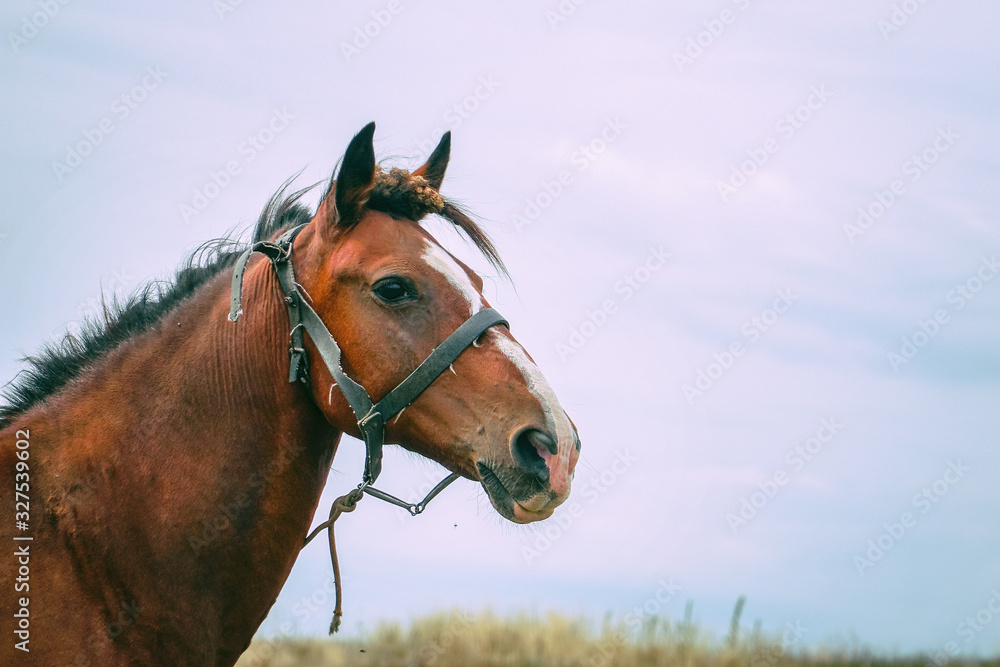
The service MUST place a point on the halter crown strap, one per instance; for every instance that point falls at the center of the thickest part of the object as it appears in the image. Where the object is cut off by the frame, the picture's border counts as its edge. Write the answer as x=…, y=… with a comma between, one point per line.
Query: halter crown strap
x=277, y=251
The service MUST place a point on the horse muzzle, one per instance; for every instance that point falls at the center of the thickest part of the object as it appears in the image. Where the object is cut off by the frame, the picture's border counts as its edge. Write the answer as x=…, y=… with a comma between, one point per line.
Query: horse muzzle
x=536, y=480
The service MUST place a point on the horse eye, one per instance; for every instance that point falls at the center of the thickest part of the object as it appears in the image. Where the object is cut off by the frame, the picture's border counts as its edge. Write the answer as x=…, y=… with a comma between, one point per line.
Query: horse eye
x=391, y=290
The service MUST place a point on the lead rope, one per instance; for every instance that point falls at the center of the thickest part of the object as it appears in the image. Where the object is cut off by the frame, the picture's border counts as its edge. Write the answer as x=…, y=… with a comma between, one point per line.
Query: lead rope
x=345, y=503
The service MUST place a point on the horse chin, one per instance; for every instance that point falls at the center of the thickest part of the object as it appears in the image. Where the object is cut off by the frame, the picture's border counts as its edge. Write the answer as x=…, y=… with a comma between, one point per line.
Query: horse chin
x=505, y=504
x=522, y=515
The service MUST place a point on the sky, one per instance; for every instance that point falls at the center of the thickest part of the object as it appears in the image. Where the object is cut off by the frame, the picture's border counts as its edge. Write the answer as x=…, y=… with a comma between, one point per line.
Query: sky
x=753, y=247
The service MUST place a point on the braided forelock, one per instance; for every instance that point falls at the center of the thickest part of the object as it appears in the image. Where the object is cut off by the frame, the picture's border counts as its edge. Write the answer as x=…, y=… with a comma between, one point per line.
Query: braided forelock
x=400, y=193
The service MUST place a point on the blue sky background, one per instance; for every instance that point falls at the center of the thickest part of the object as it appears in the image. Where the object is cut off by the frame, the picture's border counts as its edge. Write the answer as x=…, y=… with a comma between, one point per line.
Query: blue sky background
x=117, y=220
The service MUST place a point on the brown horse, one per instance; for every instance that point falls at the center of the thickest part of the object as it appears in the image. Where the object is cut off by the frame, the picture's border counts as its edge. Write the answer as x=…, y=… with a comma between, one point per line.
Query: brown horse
x=167, y=471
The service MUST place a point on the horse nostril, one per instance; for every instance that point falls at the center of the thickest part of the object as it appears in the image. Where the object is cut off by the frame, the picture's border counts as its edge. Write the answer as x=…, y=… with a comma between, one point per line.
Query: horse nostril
x=528, y=447
x=542, y=440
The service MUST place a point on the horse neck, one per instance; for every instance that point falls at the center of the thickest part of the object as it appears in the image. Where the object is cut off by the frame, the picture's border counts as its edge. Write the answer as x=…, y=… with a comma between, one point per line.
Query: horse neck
x=217, y=460
x=233, y=377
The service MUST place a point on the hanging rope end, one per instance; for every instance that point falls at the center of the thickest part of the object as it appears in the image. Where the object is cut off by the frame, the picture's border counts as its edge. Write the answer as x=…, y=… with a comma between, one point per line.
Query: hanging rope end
x=335, y=623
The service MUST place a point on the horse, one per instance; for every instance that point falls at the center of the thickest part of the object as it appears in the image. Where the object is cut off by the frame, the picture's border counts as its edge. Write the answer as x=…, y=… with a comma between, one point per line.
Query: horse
x=165, y=463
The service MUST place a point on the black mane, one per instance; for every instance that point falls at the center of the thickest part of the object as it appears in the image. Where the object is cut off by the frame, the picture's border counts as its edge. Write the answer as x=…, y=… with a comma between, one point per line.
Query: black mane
x=61, y=362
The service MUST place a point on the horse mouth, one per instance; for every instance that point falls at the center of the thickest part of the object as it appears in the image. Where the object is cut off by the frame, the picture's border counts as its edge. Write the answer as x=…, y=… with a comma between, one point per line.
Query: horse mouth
x=504, y=502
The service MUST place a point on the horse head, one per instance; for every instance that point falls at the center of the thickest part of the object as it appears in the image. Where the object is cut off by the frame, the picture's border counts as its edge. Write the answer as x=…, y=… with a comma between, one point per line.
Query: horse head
x=389, y=293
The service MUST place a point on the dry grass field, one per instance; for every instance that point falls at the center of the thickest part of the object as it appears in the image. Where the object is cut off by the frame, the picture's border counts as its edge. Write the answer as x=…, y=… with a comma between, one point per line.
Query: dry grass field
x=461, y=639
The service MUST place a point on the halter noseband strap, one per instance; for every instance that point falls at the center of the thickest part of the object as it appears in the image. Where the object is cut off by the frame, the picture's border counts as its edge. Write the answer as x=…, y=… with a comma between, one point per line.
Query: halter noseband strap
x=371, y=416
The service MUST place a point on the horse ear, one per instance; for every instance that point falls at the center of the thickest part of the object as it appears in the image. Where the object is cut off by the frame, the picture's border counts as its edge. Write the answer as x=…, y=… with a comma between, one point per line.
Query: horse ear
x=349, y=193
x=433, y=170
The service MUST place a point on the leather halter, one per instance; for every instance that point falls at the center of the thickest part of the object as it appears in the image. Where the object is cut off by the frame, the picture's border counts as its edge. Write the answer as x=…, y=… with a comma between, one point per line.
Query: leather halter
x=371, y=416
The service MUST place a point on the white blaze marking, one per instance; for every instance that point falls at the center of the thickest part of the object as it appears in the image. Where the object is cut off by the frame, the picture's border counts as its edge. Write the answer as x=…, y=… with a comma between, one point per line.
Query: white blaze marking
x=437, y=258
x=556, y=421
x=555, y=417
